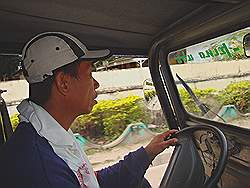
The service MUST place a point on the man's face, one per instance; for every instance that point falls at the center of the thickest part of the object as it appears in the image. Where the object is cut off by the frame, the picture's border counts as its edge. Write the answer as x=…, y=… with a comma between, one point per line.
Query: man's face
x=83, y=89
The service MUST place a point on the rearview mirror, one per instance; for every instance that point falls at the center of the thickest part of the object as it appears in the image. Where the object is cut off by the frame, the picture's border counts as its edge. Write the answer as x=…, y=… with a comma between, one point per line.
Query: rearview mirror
x=246, y=44
x=150, y=97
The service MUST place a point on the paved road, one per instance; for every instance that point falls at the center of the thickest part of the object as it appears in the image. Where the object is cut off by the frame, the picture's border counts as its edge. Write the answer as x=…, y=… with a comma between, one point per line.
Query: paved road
x=154, y=174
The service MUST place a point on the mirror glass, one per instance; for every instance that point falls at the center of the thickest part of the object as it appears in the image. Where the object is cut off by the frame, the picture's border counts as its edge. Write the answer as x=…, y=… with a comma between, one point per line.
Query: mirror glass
x=150, y=97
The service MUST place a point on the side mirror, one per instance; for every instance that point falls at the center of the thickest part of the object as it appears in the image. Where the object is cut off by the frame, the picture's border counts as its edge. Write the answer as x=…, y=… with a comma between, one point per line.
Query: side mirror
x=150, y=97
x=246, y=44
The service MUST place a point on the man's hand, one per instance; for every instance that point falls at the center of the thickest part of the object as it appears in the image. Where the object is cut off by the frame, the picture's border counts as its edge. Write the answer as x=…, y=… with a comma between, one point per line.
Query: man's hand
x=158, y=144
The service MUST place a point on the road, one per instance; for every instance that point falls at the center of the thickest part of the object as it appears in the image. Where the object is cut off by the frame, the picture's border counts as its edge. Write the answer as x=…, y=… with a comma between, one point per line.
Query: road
x=154, y=174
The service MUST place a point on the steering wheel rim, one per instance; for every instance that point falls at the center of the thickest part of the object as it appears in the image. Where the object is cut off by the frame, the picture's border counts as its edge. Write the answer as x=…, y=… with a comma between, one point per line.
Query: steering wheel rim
x=217, y=172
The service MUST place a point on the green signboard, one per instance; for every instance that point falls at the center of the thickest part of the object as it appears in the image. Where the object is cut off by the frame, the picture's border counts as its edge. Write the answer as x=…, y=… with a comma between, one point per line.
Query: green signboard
x=224, y=48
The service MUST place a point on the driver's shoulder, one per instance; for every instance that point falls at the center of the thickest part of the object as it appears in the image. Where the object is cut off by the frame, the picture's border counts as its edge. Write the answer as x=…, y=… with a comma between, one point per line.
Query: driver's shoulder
x=27, y=151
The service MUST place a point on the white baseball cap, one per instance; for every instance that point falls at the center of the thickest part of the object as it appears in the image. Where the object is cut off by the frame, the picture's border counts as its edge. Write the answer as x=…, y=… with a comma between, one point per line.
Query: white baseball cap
x=51, y=50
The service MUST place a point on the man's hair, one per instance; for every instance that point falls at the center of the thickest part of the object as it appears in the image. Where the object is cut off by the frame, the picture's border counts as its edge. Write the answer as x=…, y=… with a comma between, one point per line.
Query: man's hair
x=40, y=92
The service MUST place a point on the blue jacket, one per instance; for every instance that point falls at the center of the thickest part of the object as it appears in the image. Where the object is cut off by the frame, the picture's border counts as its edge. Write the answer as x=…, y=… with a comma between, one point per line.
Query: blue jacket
x=28, y=161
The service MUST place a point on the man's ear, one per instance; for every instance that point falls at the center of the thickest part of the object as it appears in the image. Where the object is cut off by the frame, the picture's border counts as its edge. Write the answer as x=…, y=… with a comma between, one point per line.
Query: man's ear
x=62, y=82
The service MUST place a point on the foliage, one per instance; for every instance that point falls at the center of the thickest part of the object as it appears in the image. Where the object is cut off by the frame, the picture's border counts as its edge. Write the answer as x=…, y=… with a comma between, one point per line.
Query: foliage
x=202, y=94
x=110, y=117
x=237, y=94
x=14, y=121
x=149, y=94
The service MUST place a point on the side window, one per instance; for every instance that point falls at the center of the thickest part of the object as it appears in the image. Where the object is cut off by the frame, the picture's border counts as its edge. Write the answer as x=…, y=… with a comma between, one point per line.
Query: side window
x=213, y=78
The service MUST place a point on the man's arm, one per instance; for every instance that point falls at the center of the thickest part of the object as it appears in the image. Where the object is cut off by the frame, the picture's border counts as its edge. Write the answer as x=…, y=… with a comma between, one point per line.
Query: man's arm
x=127, y=173
x=130, y=171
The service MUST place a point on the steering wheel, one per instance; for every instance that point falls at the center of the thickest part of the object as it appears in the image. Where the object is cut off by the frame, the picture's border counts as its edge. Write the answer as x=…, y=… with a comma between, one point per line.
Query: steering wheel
x=186, y=169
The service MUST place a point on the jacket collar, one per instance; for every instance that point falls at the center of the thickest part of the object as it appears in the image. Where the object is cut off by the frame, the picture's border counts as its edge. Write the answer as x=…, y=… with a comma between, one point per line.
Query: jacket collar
x=45, y=125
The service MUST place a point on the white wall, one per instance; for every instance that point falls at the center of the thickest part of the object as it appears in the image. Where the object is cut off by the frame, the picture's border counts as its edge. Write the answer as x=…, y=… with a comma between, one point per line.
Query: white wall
x=18, y=90
x=122, y=78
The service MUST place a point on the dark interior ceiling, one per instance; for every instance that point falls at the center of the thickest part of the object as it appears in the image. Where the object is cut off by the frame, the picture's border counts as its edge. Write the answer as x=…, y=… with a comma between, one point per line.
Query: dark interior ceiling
x=124, y=26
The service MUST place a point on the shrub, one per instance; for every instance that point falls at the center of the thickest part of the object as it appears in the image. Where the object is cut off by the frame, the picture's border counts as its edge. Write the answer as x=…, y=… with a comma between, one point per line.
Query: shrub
x=237, y=94
x=14, y=121
x=202, y=95
x=110, y=117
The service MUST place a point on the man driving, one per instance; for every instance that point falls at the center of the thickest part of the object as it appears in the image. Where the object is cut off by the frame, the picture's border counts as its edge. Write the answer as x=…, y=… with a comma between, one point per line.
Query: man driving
x=43, y=151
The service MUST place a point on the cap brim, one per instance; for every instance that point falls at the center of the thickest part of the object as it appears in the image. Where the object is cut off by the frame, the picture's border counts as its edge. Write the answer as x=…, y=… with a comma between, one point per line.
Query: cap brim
x=96, y=54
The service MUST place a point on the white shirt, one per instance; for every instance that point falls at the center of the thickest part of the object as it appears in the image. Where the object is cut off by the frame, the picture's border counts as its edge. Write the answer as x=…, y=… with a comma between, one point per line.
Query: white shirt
x=63, y=142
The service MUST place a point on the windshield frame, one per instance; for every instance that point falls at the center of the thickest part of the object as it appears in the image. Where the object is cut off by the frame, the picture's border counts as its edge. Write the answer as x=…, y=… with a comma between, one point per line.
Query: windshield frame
x=167, y=92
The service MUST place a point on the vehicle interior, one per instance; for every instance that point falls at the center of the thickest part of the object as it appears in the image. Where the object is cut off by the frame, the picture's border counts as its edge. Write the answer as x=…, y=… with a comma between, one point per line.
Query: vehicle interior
x=150, y=29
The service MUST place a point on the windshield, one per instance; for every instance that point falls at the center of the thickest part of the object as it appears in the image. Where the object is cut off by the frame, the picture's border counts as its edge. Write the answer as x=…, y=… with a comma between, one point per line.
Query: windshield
x=213, y=79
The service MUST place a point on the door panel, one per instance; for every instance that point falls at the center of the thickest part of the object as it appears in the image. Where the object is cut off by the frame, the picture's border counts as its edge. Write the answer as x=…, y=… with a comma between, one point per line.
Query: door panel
x=237, y=170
